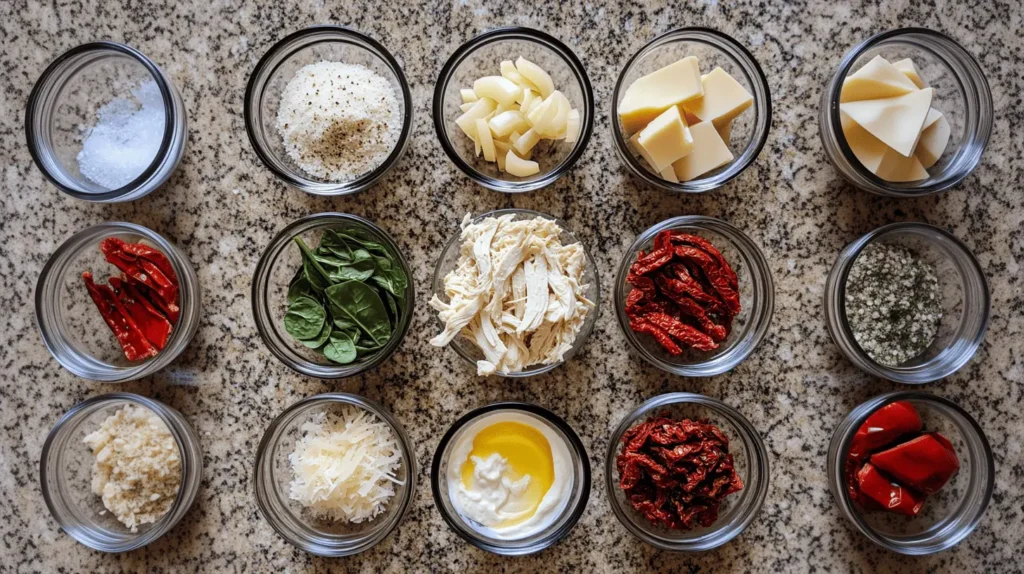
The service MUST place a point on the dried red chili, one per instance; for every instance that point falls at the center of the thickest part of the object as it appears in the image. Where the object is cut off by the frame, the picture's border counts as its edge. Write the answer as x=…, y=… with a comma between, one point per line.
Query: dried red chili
x=684, y=294
x=141, y=305
x=892, y=466
x=676, y=473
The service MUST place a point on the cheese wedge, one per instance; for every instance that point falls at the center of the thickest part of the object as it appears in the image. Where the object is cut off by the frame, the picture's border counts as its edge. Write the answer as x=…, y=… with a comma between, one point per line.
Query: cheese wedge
x=724, y=98
x=900, y=169
x=709, y=153
x=669, y=174
x=896, y=121
x=634, y=144
x=666, y=139
x=933, y=142
x=868, y=149
x=932, y=117
x=725, y=130
x=877, y=79
x=909, y=70
x=649, y=96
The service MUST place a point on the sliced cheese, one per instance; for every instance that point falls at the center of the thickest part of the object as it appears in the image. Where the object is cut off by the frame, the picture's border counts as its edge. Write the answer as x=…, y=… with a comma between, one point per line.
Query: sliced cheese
x=709, y=153
x=896, y=121
x=933, y=142
x=669, y=174
x=634, y=144
x=868, y=149
x=725, y=130
x=666, y=139
x=899, y=168
x=909, y=70
x=932, y=117
x=724, y=98
x=877, y=79
x=649, y=96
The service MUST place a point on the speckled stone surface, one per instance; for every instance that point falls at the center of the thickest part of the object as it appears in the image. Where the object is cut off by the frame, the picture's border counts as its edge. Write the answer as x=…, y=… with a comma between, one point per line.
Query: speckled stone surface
x=222, y=207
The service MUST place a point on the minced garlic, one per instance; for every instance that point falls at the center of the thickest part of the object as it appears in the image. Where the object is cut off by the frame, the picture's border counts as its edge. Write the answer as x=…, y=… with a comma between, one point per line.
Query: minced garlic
x=137, y=469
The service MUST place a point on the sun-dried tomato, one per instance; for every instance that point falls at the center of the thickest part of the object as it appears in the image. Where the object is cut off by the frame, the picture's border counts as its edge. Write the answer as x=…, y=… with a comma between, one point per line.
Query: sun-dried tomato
x=676, y=473
x=684, y=293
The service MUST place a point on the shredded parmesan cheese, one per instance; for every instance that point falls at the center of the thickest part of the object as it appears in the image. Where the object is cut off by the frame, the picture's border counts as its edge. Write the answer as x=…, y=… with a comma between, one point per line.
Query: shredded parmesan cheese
x=516, y=293
x=137, y=469
x=344, y=465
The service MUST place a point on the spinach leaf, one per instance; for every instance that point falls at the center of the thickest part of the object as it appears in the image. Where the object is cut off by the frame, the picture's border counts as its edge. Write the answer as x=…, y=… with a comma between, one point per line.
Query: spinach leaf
x=316, y=343
x=315, y=274
x=299, y=288
x=329, y=261
x=392, y=280
x=304, y=318
x=331, y=242
x=360, y=304
x=357, y=271
x=392, y=305
x=340, y=348
x=362, y=238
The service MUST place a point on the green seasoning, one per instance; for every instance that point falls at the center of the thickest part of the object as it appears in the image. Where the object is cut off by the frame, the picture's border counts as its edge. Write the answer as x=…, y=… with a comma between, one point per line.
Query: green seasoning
x=893, y=303
x=347, y=298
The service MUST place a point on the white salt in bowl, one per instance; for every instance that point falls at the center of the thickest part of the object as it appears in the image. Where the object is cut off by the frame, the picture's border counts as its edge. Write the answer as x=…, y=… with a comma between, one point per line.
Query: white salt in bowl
x=138, y=102
x=270, y=78
x=273, y=476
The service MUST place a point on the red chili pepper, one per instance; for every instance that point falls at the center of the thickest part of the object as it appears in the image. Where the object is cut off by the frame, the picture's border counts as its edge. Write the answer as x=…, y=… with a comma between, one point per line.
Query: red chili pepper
x=715, y=275
x=925, y=463
x=140, y=270
x=889, y=495
x=154, y=256
x=642, y=325
x=131, y=339
x=681, y=331
x=691, y=308
x=669, y=238
x=679, y=279
x=883, y=427
x=151, y=322
x=651, y=262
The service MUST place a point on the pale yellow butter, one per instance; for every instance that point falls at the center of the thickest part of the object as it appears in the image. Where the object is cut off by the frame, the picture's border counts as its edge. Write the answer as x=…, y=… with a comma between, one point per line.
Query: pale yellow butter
x=666, y=139
x=709, y=153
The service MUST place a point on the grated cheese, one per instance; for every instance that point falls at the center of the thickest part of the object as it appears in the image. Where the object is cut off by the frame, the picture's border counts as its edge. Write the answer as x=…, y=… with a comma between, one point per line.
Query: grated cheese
x=137, y=467
x=344, y=465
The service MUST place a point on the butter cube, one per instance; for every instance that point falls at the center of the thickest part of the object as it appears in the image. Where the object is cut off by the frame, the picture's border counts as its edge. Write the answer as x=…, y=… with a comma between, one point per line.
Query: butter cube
x=933, y=141
x=877, y=79
x=909, y=70
x=666, y=139
x=896, y=121
x=709, y=153
x=669, y=174
x=724, y=98
x=649, y=96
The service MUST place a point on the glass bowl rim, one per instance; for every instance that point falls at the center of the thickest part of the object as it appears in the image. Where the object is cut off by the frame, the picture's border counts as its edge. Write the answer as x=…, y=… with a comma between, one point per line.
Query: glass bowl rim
x=759, y=467
x=871, y=406
x=259, y=297
x=581, y=337
x=761, y=313
x=165, y=93
x=272, y=435
x=166, y=522
x=250, y=115
x=842, y=71
x=576, y=449
x=528, y=35
x=839, y=327
x=681, y=34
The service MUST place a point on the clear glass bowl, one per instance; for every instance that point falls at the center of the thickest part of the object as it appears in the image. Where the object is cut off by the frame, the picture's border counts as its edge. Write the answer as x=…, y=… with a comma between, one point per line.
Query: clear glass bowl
x=270, y=282
x=65, y=474
x=965, y=303
x=737, y=510
x=950, y=514
x=278, y=67
x=63, y=107
x=757, y=299
x=481, y=57
x=570, y=512
x=71, y=325
x=713, y=49
x=449, y=260
x=961, y=94
x=273, y=476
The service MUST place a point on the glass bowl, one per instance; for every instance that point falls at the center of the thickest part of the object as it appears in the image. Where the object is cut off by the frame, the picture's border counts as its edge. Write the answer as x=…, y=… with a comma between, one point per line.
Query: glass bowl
x=273, y=475
x=570, y=512
x=713, y=48
x=449, y=259
x=961, y=94
x=71, y=325
x=757, y=299
x=62, y=111
x=278, y=67
x=65, y=474
x=950, y=514
x=480, y=57
x=965, y=303
x=274, y=272
x=737, y=510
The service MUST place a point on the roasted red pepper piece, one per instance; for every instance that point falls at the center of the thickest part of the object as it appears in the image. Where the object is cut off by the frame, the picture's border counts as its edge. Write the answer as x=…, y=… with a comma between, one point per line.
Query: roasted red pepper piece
x=131, y=339
x=642, y=325
x=925, y=463
x=151, y=322
x=140, y=270
x=169, y=310
x=154, y=256
x=681, y=331
x=883, y=427
x=888, y=495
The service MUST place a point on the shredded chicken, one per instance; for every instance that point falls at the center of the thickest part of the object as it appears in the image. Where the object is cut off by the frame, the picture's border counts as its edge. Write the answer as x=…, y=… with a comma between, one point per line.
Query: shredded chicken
x=516, y=293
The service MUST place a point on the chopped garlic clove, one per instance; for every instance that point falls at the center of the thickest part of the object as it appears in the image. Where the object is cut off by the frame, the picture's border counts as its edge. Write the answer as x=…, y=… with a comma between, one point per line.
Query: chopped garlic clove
x=480, y=109
x=572, y=126
x=501, y=90
x=536, y=76
x=518, y=167
x=468, y=96
x=508, y=122
x=466, y=106
x=483, y=135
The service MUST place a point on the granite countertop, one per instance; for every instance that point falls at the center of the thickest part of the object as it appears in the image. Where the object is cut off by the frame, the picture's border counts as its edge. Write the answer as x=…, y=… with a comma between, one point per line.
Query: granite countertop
x=222, y=207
